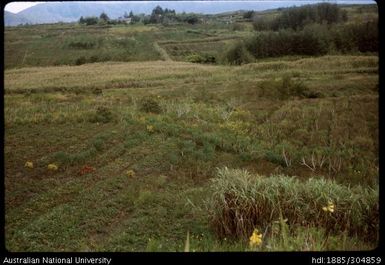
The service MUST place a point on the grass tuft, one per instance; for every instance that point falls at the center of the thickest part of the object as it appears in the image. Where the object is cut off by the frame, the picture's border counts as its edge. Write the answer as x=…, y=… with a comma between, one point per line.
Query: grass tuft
x=242, y=201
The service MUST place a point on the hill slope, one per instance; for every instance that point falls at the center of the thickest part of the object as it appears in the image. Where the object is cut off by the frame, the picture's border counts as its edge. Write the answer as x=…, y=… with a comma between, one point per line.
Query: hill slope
x=71, y=11
x=11, y=19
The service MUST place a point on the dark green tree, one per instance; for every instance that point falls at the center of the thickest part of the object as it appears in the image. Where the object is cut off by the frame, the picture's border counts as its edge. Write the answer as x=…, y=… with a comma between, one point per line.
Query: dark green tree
x=103, y=16
x=91, y=20
x=157, y=11
x=248, y=14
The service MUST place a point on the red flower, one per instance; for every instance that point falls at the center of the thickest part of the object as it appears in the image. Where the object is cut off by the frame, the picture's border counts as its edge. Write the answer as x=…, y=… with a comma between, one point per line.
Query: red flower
x=86, y=169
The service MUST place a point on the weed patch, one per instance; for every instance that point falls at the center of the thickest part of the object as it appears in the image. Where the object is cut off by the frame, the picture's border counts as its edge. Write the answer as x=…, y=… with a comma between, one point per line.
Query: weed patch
x=242, y=201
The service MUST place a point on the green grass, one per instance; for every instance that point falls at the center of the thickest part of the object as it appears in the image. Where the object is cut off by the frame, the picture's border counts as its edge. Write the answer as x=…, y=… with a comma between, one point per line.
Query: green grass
x=173, y=123
x=242, y=201
x=73, y=44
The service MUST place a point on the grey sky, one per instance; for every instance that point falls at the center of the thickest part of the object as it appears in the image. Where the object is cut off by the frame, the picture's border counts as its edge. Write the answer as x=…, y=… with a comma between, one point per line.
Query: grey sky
x=16, y=7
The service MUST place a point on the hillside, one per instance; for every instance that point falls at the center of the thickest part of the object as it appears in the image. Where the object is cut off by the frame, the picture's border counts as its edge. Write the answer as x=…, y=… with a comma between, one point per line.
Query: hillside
x=238, y=132
x=128, y=167
x=71, y=11
x=70, y=44
x=11, y=19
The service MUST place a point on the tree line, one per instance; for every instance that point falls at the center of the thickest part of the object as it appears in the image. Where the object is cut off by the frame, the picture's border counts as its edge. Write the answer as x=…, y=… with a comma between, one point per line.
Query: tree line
x=297, y=18
x=157, y=16
x=310, y=30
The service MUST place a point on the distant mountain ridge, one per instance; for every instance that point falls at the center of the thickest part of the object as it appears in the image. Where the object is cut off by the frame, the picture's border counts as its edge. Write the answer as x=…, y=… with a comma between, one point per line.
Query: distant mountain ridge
x=11, y=19
x=53, y=12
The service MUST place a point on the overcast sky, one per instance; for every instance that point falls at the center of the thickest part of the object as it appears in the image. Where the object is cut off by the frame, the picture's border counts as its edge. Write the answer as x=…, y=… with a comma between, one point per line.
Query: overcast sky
x=15, y=7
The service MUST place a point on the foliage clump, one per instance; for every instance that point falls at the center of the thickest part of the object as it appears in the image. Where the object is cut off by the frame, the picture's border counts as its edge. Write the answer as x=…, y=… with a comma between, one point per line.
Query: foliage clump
x=102, y=114
x=241, y=202
x=198, y=58
x=149, y=105
x=81, y=60
x=286, y=88
x=298, y=17
x=237, y=54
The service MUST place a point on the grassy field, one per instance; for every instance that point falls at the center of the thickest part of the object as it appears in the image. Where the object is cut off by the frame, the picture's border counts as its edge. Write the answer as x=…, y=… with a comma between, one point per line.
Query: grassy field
x=71, y=44
x=74, y=44
x=155, y=148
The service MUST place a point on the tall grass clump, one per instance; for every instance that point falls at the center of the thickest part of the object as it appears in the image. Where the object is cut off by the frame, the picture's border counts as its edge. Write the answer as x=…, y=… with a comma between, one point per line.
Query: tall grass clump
x=237, y=54
x=284, y=88
x=149, y=105
x=101, y=114
x=241, y=202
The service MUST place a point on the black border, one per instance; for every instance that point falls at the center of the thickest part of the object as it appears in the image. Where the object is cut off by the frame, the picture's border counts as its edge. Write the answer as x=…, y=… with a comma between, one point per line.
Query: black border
x=210, y=257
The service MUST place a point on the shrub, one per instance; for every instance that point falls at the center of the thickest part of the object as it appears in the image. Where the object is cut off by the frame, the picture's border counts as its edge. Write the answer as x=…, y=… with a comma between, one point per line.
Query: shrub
x=261, y=23
x=191, y=19
x=237, y=54
x=102, y=114
x=89, y=20
x=312, y=94
x=93, y=59
x=237, y=27
x=97, y=91
x=366, y=36
x=298, y=17
x=82, y=44
x=292, y=88
x=149, y=105
x=73, y=159
x=81, y=60
x=287, y=42
x=284, y=88
x=197, y=58
x=240, y=202
x=248, y=14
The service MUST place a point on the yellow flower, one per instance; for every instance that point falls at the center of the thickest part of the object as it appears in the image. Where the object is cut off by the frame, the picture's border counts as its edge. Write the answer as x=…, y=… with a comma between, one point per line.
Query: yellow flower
x=28, y=164
x=329, y=207
x=255, y=239
x=130, y=173
x=52, y=167
x=150, y=128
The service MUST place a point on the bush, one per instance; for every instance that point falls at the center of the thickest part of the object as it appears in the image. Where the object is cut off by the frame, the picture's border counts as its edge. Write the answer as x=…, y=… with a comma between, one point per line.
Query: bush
x=286, y=42
x=248, y=14
x=261, y=23
x=197, y=58
x=81, y=60
x=237, y=27
x=237, y=54
x=97, y=91
x=366, y=36
x=312, y=94
x=149, y=105
x=102, y=114
x=93, y=59
x=89, y=20
x=82, y=44
x=240, y=202
x=191, y=19
x=297, y=18
x=284, y=88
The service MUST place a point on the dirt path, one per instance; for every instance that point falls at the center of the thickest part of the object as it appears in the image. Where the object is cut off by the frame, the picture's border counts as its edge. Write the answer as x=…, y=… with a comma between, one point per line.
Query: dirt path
x=162, y=52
